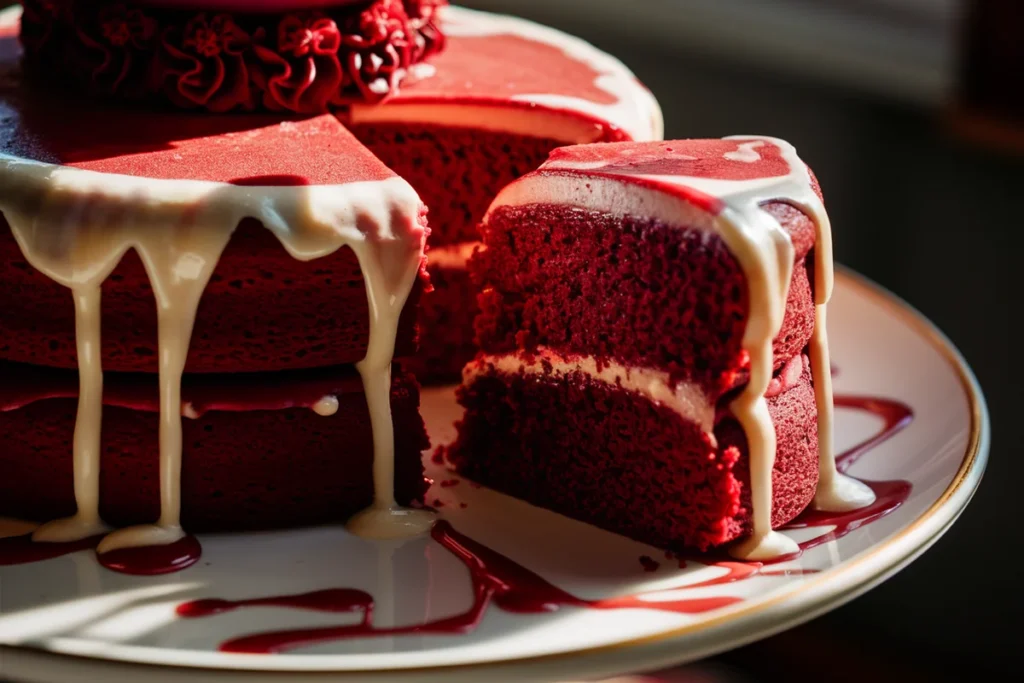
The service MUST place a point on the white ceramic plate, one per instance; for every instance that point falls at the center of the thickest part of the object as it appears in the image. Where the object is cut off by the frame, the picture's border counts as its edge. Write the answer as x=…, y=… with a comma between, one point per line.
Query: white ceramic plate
x=69, y=619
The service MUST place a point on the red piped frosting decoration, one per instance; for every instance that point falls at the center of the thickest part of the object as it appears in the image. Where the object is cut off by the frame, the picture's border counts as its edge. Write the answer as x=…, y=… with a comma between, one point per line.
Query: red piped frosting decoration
x=304, y=62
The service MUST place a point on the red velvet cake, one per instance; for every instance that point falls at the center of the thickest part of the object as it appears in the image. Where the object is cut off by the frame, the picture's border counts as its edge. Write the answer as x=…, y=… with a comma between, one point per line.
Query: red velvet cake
x=653, y=354
x=221, y=253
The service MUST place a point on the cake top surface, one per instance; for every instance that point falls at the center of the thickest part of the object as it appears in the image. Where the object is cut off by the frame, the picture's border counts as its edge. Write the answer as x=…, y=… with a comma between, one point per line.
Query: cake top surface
x=703, y=172
x=505, y=61
x=110, y=138
x=728, y=159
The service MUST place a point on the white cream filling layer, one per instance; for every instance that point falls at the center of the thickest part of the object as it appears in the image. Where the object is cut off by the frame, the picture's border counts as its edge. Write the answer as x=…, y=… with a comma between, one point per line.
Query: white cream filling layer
x=686, y=399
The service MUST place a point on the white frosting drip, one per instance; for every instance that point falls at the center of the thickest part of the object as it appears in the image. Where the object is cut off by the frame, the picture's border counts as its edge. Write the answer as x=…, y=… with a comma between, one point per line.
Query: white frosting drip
x=452, y=256
x=836, y=492
x=635, y=110
x=86, y=452
x=765, y=253
x=327, y=406
x=686, y=399
x=75, y=226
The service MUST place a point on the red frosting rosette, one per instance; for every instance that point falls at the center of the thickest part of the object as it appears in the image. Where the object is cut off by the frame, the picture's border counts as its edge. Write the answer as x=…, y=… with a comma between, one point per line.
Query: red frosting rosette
x=305, y=61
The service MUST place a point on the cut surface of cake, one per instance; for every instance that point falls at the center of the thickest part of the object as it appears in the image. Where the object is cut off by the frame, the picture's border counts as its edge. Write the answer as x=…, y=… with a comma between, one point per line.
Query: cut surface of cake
x=652, y=334
x=487, y=110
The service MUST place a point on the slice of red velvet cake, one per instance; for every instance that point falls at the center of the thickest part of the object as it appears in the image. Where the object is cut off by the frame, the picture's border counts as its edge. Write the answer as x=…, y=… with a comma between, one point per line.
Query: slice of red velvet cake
x=653, y=357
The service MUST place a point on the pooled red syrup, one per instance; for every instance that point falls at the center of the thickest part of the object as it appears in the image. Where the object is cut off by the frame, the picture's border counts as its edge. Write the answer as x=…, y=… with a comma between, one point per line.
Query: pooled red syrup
x=145, y=561
x=513, y=588
x=154, y=560
x=889, y=495
x=23, y=550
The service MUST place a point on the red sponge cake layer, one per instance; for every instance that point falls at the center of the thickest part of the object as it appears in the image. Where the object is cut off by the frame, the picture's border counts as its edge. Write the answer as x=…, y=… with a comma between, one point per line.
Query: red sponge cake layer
x=255, y=453
x=629, y=288
x=616, y=459
x=262, y=311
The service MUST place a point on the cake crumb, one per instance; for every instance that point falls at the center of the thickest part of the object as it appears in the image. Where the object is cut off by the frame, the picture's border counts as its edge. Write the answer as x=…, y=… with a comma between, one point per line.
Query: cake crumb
x=463, y=505
x=438, y=503
x=649, y=563
x=448, y=483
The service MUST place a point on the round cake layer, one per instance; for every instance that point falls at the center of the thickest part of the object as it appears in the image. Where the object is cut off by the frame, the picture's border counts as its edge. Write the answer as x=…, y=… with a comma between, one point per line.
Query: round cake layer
x=630, y=289
x=262, y=311
x=249, y=462
x=611, y=457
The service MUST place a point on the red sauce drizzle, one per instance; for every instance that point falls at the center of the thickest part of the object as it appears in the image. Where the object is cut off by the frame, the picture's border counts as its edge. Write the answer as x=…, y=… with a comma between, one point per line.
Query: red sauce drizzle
x=889, y=495
x=335, y=600
x=495, y=578
x=513, y=588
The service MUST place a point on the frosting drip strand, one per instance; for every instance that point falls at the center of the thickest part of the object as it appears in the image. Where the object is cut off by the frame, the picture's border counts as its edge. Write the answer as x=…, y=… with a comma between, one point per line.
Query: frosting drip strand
x=302, y=61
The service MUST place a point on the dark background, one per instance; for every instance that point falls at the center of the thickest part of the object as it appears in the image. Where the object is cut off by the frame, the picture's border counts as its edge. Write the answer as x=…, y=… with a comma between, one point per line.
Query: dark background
x=923, y=174
x=922, y=163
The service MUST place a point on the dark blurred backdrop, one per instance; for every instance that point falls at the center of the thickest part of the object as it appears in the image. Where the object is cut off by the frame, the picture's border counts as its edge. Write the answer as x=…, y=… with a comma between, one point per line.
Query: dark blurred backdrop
x=910, y=113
